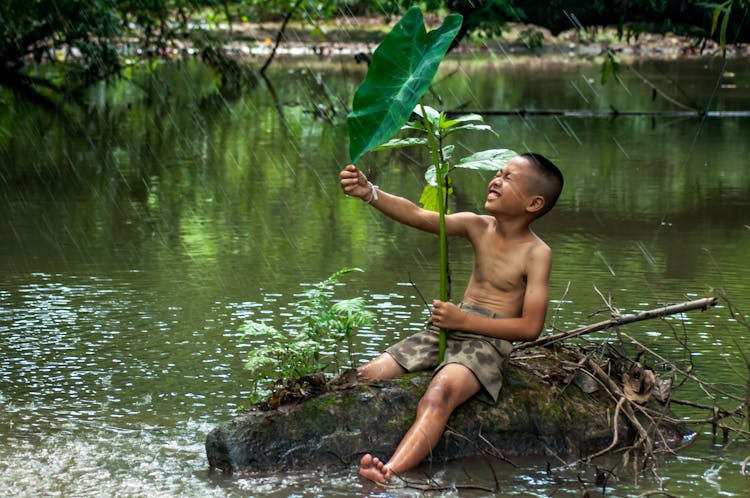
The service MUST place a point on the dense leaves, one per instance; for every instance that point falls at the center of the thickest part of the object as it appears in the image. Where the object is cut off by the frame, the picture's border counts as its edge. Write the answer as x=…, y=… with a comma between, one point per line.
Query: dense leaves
x=318, y=325
x=55, y=48
x=684, y=17
x=79, y=42
x=46, y=31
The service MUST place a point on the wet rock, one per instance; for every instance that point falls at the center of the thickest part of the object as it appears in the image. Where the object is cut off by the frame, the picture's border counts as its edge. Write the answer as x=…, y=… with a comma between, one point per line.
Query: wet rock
x=540, y=411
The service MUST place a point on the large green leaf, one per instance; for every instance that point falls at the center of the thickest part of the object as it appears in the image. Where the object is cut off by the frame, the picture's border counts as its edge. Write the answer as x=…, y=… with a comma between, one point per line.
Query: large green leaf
x=488, y=160
x=401, y=70
x=396, y=143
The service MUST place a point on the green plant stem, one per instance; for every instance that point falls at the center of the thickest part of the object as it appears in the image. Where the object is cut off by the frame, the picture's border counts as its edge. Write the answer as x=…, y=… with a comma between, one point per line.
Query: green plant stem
x=441, y=181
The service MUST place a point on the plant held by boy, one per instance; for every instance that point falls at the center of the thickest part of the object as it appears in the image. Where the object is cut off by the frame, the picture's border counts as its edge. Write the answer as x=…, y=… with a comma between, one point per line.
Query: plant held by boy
x=400, y=73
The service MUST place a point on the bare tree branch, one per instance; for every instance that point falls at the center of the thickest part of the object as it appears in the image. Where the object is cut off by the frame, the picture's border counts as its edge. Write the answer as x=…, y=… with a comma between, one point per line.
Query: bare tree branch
x=703, y=304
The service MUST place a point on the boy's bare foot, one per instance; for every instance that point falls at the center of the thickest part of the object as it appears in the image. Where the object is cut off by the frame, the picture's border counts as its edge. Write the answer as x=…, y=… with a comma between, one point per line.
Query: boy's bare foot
x=372, y=468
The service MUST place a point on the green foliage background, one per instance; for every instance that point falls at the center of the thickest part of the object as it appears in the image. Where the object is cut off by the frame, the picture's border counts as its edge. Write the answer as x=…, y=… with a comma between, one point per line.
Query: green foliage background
x=58, y=48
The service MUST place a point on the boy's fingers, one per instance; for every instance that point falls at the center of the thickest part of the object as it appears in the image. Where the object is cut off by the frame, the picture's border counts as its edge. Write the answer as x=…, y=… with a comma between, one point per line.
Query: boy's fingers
x=351, y=178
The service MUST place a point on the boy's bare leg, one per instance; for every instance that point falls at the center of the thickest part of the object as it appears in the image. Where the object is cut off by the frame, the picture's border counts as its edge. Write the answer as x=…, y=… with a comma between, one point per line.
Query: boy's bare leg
x=381, y=367
x=450, y=387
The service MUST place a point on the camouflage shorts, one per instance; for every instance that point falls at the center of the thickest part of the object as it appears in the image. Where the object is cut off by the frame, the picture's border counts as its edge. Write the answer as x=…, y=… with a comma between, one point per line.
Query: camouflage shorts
x=485, y=356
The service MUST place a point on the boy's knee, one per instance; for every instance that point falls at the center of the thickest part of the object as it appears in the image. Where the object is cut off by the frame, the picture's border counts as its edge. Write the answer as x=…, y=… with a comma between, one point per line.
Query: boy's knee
x=437, y=397
x=452, y=385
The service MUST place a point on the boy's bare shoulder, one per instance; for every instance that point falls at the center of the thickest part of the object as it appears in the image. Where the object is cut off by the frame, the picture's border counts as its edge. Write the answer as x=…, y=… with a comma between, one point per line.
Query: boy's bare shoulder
x=539, y=252
x=476, y=219
x=533, y=251
x=467, y=223
x=471, y=216
x=539, y=244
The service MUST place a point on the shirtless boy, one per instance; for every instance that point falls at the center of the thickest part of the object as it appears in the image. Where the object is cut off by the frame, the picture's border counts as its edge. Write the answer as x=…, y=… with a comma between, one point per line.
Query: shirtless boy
x=505, y=300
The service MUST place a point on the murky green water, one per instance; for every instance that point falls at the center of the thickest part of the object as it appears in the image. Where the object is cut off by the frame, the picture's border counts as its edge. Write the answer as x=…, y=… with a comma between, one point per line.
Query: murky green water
x=136, y=241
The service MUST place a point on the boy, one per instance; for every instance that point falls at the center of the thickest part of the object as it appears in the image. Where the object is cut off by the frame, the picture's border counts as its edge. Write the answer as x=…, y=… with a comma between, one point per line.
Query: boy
x=505, y=300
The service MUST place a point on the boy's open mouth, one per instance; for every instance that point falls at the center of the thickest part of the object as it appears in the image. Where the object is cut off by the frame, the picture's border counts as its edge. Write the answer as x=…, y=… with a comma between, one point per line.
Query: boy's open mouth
x=492, y=194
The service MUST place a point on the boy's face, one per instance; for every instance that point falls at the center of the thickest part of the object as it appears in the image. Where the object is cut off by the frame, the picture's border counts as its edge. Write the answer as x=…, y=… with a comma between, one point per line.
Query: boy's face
x=508, y=191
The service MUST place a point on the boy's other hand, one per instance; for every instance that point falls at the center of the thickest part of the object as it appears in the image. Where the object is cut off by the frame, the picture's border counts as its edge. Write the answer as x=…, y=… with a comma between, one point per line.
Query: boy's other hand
x=354, y=182
x=447, y=315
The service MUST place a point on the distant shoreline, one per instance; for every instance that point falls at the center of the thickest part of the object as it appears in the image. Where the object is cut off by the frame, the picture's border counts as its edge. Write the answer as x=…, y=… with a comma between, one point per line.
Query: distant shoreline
x=362, y=35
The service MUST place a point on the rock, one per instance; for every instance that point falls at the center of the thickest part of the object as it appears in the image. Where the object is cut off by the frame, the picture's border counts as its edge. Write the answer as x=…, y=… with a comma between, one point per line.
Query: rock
x=540, y=411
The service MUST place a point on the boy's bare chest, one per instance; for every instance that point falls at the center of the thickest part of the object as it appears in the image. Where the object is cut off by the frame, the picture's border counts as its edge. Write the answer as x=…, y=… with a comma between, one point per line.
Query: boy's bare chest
x=501, y=264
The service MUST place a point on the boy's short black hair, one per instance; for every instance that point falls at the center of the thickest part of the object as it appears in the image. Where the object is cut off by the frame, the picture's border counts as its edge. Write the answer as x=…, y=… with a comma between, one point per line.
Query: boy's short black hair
x=550, y=181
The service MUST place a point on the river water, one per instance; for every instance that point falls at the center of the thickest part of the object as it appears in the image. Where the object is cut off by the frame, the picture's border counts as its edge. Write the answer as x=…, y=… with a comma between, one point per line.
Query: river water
x=140, y=232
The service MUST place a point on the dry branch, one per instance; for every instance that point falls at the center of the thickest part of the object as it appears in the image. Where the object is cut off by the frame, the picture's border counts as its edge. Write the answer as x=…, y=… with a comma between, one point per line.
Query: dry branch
x=614, y=383
x=615, y=321
x=688, y=375
x=616, y=391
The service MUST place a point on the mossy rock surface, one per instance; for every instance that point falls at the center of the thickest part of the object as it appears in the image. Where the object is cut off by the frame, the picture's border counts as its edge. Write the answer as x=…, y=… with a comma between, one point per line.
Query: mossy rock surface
x=539, y=412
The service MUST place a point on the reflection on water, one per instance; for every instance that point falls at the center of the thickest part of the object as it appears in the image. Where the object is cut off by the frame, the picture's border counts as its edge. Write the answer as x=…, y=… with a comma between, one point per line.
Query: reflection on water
x=138, y=240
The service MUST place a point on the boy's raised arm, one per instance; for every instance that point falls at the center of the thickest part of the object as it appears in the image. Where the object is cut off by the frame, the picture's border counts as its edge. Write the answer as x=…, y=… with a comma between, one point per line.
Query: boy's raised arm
x=355, y=184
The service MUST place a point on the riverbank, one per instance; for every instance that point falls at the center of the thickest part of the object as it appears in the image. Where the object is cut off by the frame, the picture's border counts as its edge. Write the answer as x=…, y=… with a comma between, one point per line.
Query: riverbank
x=347, y=37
